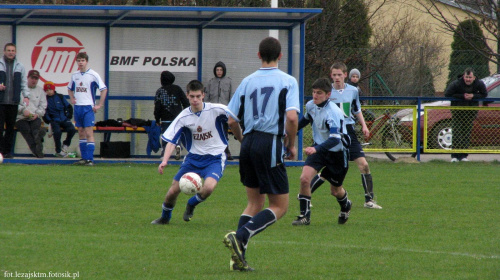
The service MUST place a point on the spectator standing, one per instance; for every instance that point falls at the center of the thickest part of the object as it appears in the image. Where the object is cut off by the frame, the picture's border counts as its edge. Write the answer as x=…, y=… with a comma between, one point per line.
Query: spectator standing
x=29, y=117
x=220, y=90
x=466, y=88
x=82, y=89
x=13, y=92
x=354, y=77
x=170, y=100
x=58, y=115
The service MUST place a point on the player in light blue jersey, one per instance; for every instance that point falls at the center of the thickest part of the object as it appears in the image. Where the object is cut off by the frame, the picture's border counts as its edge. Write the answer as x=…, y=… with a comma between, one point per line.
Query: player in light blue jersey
x=329, y=151
x=267, y=102
x=200, y=127
x=82, y=90
x=347, y=98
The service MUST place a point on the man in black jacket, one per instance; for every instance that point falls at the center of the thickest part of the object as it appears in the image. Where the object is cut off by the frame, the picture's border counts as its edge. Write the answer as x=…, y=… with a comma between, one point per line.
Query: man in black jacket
x=466, y=88
x=170, y=100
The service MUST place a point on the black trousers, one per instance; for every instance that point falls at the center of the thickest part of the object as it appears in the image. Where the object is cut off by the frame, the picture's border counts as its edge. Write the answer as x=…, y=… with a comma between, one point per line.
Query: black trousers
x=31, y=133
x=461, y=125
x=56, y=130
x=8, y=114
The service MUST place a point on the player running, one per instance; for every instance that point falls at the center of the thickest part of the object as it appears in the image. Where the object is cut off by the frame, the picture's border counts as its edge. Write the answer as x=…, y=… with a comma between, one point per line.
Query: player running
x=268, y=102
x=330, y=150
x=200, y=128
x=347, y=98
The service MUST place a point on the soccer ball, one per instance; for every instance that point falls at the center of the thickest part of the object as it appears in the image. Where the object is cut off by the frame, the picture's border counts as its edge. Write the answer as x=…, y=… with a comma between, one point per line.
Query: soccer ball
x=1, y=158
x=190, y=183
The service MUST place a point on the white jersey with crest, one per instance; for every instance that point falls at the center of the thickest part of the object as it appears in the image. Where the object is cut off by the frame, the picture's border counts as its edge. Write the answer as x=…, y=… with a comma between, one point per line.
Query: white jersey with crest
x=202, y=132
x=348, y=100
x=85, y=85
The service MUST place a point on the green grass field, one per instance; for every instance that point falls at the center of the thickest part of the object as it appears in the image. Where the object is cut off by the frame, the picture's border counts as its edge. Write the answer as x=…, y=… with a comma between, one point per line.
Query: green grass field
x=440, y=221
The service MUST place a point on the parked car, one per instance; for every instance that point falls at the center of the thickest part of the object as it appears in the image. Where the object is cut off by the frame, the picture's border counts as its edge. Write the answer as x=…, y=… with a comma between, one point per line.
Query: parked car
x=486, y=129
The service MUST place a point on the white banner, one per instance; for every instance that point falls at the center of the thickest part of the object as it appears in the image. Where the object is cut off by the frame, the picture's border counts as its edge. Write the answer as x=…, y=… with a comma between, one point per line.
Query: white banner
x=52, y=51
x=153, y=61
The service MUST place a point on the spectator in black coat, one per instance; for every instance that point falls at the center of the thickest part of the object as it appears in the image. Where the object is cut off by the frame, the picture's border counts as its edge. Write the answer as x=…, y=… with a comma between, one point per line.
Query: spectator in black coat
x=466, y=88
x=170, y=100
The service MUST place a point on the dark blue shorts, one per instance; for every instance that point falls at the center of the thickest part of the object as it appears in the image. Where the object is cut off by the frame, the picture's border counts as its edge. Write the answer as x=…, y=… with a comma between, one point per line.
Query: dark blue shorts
x=336, y=165
x=355, y=150
x=261, y=163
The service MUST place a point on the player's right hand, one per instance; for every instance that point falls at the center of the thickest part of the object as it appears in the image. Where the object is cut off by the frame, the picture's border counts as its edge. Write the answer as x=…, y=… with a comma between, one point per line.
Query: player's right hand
x=161, y=167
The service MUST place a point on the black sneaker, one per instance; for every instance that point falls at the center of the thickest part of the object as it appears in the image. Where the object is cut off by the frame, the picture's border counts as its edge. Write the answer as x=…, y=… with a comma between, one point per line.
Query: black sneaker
x=8, y=155
x=89, y=163
x=236, y=248
x=160, y=221
x=188, y=214
x=344, y=213
x=301, y=221
x=39, y=150
x=234, y=267
x=80, y=162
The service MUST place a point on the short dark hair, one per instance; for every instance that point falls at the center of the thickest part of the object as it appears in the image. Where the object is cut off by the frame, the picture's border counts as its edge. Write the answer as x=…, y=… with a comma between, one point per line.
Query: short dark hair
x=339, y=65
x=469, y=70
x=194, y=85
x=270, y=49
x=322, y=84
x=9, y=45
x=82, y=55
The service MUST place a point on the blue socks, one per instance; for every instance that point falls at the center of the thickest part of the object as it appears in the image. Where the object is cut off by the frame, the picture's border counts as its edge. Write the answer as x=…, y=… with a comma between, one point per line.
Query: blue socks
x=90, y=150
x=83, y=148
x=195, y=200
x=243, y=220
x=305, y=205
x=166, y=213
x=258, y=223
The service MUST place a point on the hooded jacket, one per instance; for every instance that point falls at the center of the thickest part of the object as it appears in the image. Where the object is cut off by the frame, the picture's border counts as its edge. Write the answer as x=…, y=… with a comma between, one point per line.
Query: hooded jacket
x=458, y=87
x=219, y=90
x=170, y=99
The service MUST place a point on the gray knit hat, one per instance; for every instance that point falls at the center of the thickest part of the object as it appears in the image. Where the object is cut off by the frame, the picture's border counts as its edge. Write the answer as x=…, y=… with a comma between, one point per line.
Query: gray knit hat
x=354, y=71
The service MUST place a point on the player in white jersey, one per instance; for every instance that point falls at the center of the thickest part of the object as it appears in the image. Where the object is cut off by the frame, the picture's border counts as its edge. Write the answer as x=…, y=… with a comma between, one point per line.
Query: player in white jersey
x=268, y=102
x=200, y=128
x=329, y=151
x=82, y=90
x=347, y=98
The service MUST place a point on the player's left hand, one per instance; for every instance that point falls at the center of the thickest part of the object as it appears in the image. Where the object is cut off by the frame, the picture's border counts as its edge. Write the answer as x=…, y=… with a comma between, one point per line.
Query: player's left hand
x=310, y=150
x=290, y=153
x=96, y=107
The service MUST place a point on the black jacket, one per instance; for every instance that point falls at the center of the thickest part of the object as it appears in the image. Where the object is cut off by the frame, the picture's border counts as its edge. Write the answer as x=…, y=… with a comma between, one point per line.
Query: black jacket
x=170, y=99
x=458, y=87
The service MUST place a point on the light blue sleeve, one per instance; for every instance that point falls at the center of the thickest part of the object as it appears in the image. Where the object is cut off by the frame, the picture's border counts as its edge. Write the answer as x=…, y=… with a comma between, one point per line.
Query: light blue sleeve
x=357, y=109
x=292, y=98
x=234, y=105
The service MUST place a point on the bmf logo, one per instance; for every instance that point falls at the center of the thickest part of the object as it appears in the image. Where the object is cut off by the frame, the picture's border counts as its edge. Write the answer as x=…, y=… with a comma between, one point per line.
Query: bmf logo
x=54, y=56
